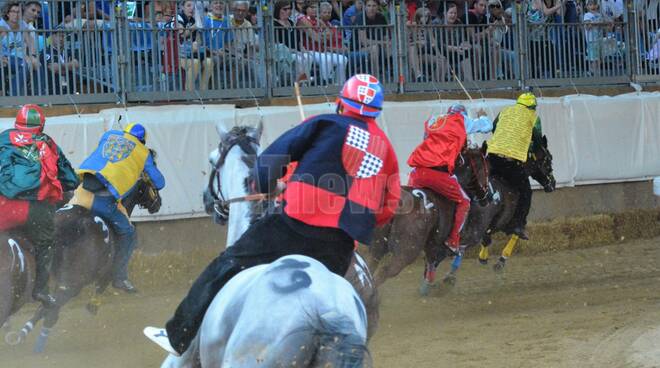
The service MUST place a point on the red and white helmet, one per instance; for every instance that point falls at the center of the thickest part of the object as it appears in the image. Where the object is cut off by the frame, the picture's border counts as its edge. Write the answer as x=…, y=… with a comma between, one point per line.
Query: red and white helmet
x=30, y=118
x=363, y=95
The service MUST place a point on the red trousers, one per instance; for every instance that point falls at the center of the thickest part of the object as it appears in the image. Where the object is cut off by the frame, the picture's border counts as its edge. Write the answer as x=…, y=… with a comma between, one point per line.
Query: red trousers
x=446, y=185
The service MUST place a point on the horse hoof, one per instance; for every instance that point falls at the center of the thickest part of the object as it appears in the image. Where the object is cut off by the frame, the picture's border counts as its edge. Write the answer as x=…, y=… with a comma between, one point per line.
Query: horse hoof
x=483, y=262
x=450, y=280
x=499, y=266
x=93, y=309
x=424, y=288
x=13, y=338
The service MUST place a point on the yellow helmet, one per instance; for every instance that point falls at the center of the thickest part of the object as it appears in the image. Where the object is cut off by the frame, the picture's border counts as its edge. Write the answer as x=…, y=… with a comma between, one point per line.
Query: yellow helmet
x=527, y=99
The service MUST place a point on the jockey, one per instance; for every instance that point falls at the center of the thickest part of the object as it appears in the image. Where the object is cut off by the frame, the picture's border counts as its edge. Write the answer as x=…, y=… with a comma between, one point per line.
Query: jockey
x=516, y=128
x=108, y=175
x=34, y=173
x=433, y=161
x=346, y=183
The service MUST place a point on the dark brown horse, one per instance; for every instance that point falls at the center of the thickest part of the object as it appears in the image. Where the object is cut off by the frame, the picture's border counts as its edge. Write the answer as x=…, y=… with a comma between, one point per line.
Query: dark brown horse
x=84, y=251
x=424, y=220
x=17, y=267
x=487, y=220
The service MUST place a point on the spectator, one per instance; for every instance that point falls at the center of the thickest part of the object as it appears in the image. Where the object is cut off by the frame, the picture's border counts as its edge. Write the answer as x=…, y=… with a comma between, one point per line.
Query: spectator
x=18, y=51
x=287, y=46
x=243, y=43
x=349, y=21
x=339, y=7
x=480, y=37
x=191, y=54
x=611, y=10
x=455, y=44
x=299, y=10
x=320, y=39
x=374, y=37
x=540, y=48
x=216, y=33
x=424, y=55
x=593, y=34
x=411, y=10
x=497, y=29
x=61, y=63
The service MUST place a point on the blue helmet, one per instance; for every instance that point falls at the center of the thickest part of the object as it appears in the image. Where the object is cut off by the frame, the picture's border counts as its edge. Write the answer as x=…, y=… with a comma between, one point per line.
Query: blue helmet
x=137, y=131
x=456, y=109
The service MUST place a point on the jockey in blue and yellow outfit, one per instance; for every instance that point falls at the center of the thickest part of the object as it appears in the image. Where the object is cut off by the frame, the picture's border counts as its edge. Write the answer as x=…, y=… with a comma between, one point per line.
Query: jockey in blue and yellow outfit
x=321, y=218
x=108, y=175
x=34, y=173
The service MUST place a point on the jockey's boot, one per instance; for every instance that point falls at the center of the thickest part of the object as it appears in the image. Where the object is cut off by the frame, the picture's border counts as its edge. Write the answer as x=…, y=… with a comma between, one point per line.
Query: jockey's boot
x=45, y=299
x=159, y=336
x=453, y=247
x=125, y=285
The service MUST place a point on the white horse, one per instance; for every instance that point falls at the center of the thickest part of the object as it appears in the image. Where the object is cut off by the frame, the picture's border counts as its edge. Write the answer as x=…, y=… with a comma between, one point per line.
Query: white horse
x=293, y=312
x=232, y=163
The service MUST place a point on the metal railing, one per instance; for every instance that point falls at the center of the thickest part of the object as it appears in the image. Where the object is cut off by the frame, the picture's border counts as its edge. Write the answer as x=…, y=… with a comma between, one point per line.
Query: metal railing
x=163, y=51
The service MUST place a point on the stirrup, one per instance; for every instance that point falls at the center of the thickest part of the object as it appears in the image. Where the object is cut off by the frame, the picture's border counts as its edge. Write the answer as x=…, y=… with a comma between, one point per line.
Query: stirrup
x=159, y=336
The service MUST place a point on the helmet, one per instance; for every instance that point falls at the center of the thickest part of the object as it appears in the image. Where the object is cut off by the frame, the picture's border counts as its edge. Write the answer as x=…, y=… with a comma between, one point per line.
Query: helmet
x=137, y=131
x=362, y=95
x=528, y=100
x=30, y=118
x=456, y=109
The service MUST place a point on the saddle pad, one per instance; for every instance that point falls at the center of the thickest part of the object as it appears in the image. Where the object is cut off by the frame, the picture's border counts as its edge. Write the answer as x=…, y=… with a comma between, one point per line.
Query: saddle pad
x=82, y=197
x=13, y=213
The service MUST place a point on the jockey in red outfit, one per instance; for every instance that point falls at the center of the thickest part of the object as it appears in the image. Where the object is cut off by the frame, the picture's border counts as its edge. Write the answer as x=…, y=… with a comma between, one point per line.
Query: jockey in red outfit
x=433, y=161
x=346, y=182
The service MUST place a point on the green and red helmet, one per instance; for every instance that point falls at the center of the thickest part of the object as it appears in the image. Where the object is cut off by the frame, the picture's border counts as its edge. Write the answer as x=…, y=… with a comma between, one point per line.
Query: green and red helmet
x=30, y=118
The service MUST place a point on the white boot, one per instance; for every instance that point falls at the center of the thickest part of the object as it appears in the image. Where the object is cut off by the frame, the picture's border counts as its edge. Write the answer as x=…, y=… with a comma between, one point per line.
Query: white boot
x=159, y=336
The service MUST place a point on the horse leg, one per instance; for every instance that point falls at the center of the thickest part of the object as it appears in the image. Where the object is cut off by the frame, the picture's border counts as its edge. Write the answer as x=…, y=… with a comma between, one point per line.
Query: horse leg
x=483, y=251
x=17, y=337
x=95, y=301
x=506, y=253
x=450, y=278
x=51, y=315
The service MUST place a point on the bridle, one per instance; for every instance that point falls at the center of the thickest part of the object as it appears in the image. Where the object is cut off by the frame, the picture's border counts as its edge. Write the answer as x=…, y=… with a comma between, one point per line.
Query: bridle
x=220, y=203
x=482, y=187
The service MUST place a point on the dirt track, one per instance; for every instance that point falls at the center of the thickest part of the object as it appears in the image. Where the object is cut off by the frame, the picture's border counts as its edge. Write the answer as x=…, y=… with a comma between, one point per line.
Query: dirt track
x=597, y=307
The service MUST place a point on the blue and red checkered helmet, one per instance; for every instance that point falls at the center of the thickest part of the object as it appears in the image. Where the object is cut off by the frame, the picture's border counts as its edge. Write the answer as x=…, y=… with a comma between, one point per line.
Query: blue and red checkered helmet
x=362, y=94
x=137, y=131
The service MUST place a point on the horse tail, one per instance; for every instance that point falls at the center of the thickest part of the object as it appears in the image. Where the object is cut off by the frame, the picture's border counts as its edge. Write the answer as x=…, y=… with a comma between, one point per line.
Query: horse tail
x=340, y=343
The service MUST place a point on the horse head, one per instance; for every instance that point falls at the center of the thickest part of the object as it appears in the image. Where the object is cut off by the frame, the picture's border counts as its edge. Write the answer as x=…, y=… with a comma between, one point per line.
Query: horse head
x=232, y=163
x=539, y=166
x=472, y=171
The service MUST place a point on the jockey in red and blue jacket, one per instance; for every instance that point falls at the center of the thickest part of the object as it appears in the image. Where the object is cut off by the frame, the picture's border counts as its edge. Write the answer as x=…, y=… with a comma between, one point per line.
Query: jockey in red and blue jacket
x=34, y=173
x=346, y=182
x=434, y=159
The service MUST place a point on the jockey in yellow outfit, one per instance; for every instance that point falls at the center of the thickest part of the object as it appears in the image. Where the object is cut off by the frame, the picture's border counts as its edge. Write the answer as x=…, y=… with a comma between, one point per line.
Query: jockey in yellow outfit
x=514, y=129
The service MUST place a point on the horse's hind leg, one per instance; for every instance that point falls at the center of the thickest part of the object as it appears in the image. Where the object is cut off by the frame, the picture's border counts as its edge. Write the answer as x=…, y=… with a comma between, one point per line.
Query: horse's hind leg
x=95, y=301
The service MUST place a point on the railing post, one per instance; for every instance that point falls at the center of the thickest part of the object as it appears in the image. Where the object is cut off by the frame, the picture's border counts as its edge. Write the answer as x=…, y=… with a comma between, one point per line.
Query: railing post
x=122, y=62
x=521, y=44
x=632, y=39
x=402, y=50
x=266, y=44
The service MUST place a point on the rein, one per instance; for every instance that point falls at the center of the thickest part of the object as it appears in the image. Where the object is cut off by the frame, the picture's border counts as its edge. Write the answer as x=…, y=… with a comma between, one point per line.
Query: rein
x=473, y=167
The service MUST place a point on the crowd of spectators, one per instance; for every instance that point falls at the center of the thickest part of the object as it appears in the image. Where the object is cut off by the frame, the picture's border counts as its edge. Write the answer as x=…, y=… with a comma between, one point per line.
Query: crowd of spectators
x=219, y=44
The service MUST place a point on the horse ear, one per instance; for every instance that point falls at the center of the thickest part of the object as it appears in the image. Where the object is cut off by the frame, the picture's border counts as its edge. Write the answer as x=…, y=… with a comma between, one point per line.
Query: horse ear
x=258, y=130
x=484, y=147
x=221, y=129
x=545, y=141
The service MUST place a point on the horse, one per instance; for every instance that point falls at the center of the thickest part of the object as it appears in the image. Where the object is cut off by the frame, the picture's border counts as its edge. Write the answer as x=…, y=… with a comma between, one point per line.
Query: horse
x=424, y=220
x=487, y=220
x=18, y=270
x=227, y=198
x=314, y=318
x=84, y=249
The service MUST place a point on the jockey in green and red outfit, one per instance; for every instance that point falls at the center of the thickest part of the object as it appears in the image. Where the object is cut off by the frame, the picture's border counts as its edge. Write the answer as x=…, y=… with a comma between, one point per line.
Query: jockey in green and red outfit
x=108, y=175
x=346, y=182
x=433, y=161
x=34, y=173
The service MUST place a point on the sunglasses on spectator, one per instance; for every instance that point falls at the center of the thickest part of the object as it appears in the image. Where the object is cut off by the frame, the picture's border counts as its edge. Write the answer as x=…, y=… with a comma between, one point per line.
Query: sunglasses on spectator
x=497, y=6
x=286, y=8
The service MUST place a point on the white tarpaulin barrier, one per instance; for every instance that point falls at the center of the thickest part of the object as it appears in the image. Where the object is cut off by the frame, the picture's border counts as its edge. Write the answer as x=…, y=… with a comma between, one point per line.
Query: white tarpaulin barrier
x=593, y=139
